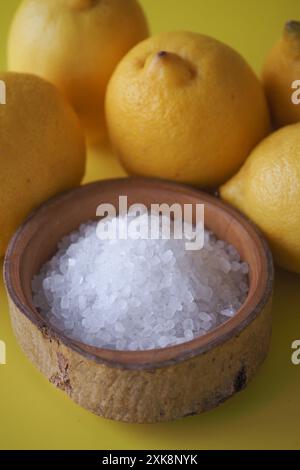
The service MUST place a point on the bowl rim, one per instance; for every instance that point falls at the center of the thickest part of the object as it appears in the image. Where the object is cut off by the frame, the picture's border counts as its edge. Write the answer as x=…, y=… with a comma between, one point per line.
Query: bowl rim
x=154, y=358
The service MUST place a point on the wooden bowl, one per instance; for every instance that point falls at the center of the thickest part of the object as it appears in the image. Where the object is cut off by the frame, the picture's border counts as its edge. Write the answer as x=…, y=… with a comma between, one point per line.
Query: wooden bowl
x=143, y=386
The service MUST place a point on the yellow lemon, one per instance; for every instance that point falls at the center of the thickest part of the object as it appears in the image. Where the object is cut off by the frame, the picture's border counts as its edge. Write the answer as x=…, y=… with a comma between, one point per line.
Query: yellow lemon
x=42, y=149
x=281, y=70
x=185, y=107
x=267, y=190
x=76, y=44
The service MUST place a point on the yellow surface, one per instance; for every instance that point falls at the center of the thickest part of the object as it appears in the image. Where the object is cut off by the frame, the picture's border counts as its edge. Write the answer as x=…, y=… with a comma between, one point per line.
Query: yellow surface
x=35, y=415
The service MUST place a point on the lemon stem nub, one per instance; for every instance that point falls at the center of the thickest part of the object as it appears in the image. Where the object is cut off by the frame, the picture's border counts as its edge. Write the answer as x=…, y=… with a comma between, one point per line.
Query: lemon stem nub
x=291, y=37
x=292, y=27
x=162, y=54
x=170, y=67
x=292, y=32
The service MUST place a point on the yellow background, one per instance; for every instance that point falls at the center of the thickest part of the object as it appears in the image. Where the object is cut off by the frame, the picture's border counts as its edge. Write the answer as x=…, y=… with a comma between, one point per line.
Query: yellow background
x=35, y=415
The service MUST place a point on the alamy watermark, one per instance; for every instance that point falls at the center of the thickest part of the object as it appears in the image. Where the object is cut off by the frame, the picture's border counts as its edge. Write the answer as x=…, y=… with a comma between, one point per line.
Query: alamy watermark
x=2, y=353
x=295, y=358
x=2, y=92
x=175, y=221
x=295, y=98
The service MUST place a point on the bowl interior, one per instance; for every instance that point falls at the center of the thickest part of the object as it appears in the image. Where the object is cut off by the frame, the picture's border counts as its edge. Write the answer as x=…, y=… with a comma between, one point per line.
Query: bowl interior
x=36, y=242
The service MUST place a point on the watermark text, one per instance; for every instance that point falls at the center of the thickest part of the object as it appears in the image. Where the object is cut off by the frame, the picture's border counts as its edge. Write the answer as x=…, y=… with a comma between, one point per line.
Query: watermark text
x=2, y=92
x=295, y=98
x=159, y=221
x=2, y=353
x=295, y=358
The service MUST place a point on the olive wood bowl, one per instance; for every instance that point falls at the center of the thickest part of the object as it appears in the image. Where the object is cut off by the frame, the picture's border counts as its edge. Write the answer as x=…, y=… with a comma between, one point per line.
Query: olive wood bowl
x=141, y=386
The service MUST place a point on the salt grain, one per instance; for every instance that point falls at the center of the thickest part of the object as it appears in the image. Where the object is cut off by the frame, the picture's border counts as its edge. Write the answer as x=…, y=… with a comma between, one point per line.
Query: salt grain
x=139, y=294
x=228, y=312
x=205, y=316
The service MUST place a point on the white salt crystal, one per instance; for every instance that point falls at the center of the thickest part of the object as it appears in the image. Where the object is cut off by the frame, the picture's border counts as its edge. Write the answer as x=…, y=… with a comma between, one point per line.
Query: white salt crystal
x=169, y=325
x=220, y=244
x=163, y=341
x=167, y=256
x=46, y=283
x=188, y=324
x=204, y=316
x=244, y=268
x=119, y=327
x=233, y=252
x=133, y=346
x=146, y=343
x=65, y=303
x=135, y=302
x=123, y=304
x=81, y=302
x=235, y=266
x=228, y=312
x=206, y=326
x=106, y=337
x=225, y=265
x=188, y=334
x=121, y=344
x=243, y=286
x=139, y=294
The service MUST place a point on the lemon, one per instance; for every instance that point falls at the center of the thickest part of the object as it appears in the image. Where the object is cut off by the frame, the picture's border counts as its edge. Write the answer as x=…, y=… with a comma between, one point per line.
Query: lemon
x=42, y=149
x=267, y=190
x=281, y=69
x=185, y=107
x=76, y=44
